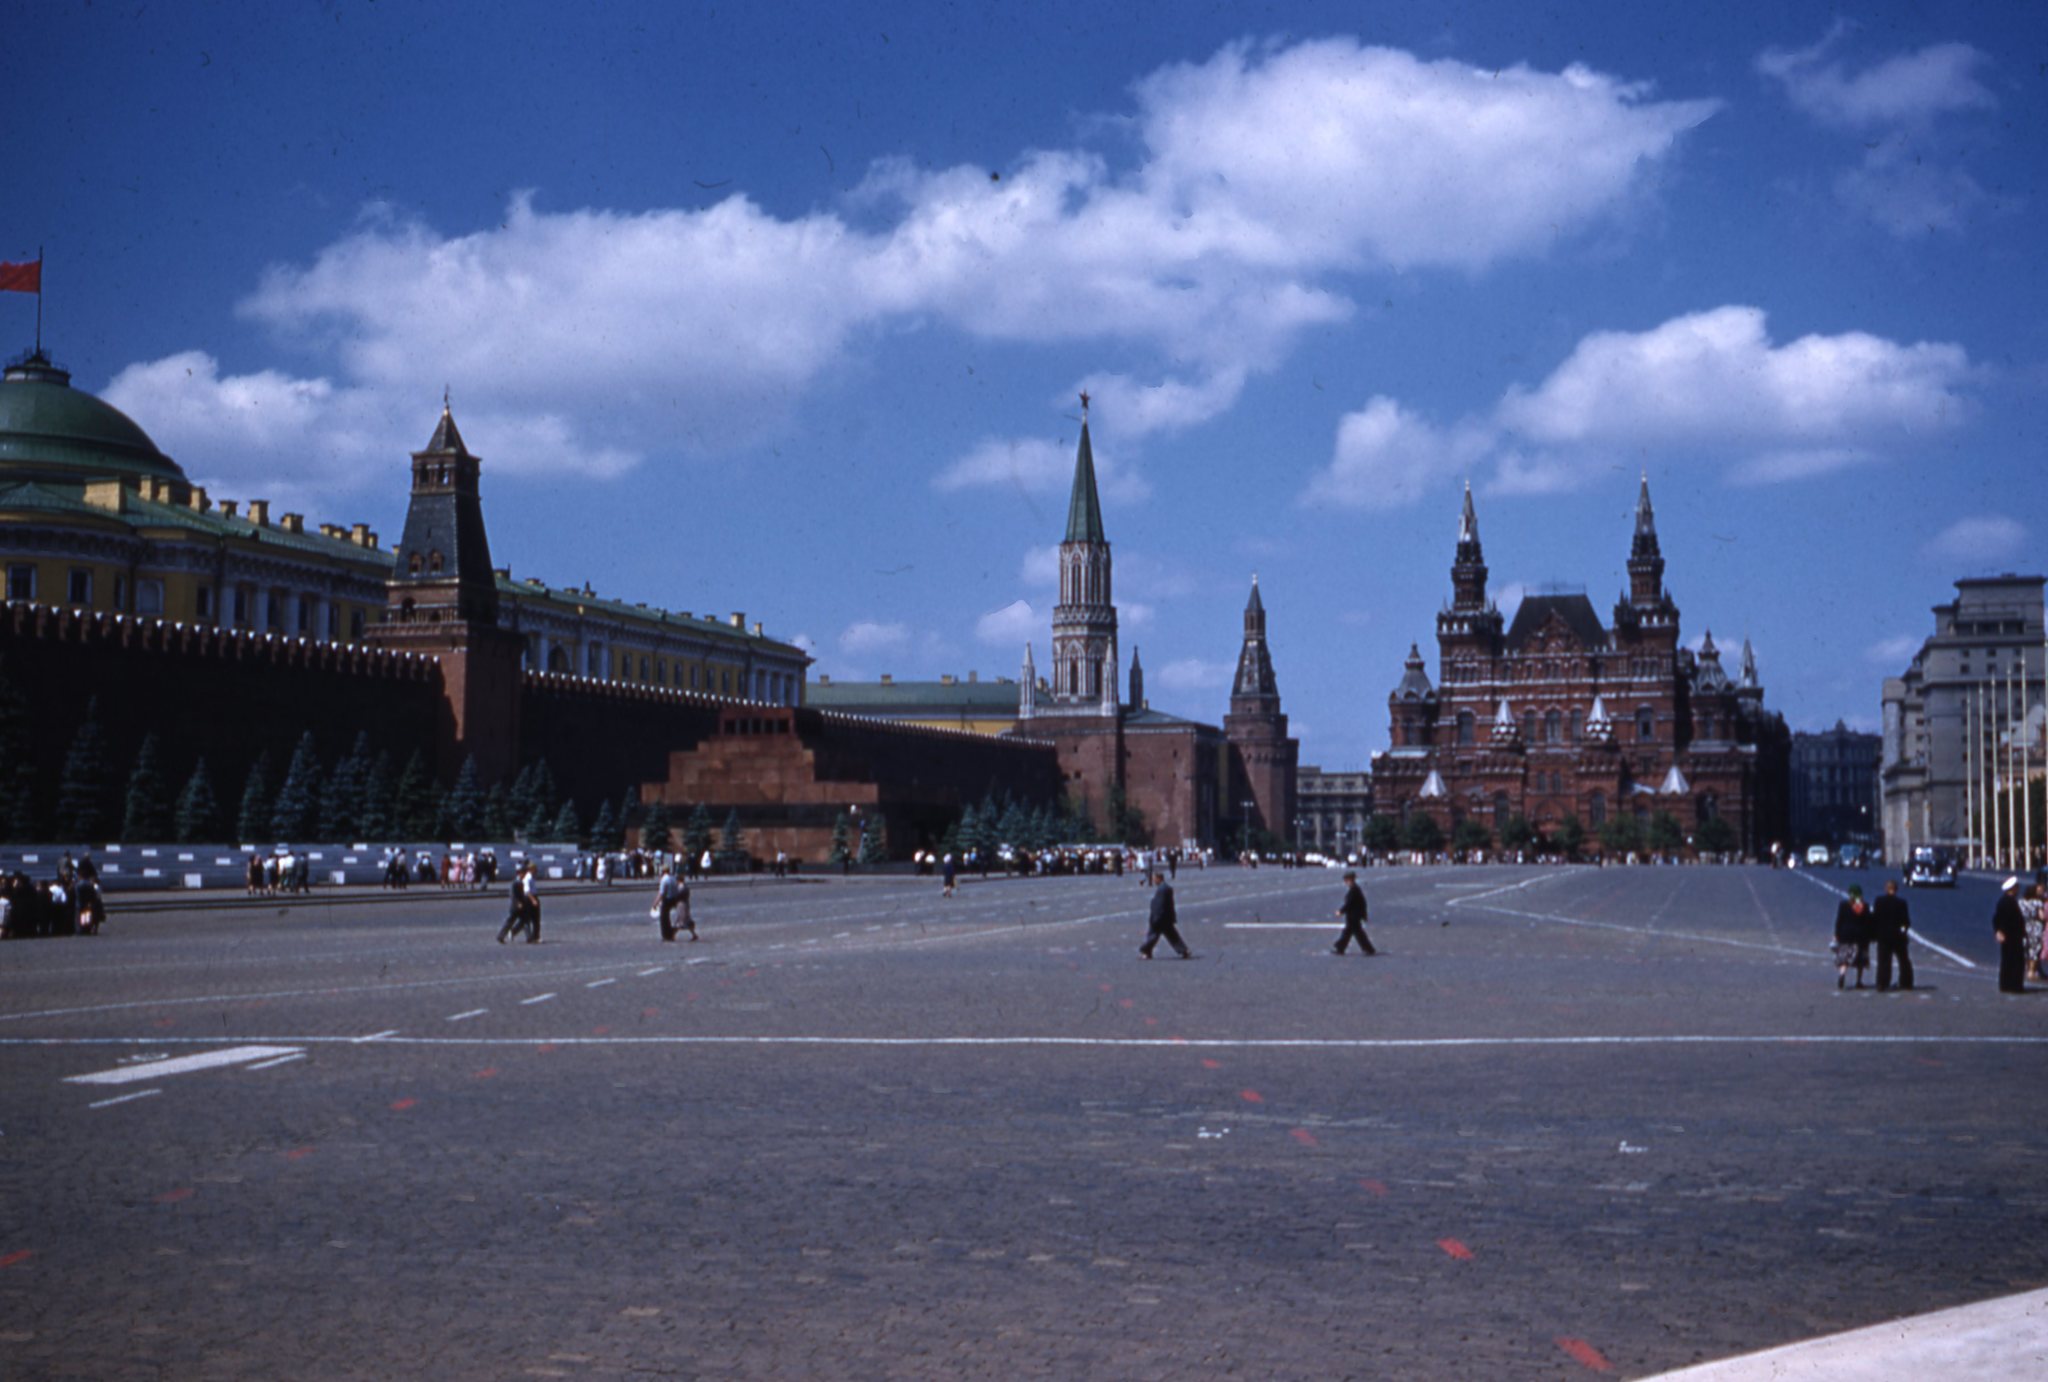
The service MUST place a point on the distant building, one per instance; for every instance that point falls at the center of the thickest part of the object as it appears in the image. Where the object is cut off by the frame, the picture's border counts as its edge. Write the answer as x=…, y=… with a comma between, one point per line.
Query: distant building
x=1835, y=797
x=1185, y=780
x=1334, y=807
x=1555, y=714
x=1964, y=719
x=980, y=707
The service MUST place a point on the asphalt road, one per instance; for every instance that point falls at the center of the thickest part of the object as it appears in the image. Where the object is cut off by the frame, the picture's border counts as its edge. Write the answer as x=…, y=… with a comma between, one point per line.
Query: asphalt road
x=1569, y=1122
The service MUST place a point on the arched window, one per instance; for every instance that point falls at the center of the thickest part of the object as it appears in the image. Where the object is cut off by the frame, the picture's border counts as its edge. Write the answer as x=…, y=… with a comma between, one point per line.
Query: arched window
x=1528, y=726
x=1646, y=724
x=1502, y=809
x=1465, y=726
x=433, y=561
x=558, y=659
x=413, y=566
x=1596, y=810
x=1553, y=727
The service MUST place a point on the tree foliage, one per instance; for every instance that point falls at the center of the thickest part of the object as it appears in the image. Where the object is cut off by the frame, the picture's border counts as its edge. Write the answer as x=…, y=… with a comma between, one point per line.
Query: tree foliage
x=1382, y=833
x=82, y=790
x=146, y=815
x=252, y=821
x=1666, y=835
x=1422, y=834
x=1714, y=836
x=655, y=832
x=296, y=811
x=413, y=807
x=1618, y=835
x=1473, y=834
x=1569, y=837
x=19, y=819
x=198, y=814
x=697, y=832
x=874, y=841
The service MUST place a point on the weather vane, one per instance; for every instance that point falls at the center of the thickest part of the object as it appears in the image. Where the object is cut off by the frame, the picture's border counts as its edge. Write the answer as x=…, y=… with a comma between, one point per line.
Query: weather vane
x=1084, y=400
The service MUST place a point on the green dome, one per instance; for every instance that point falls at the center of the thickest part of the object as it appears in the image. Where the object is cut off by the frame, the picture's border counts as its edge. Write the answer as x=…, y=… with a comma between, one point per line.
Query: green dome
x=51, y=431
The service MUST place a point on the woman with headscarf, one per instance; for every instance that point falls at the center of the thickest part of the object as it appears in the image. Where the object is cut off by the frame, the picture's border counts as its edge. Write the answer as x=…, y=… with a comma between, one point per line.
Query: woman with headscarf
x=1852, y=936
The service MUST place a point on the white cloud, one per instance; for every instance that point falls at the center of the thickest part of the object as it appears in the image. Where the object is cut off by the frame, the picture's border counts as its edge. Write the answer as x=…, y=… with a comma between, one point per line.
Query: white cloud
x=868, y=636
x=1894, y=652
x=1976, y=542
x=1387, y=457
x=1904, y=89
x=1011, y=626
x=1031, y=465
x=1194, y=674
x=1902, y=181
x=1257, y=175
x=1710, y=387
x=1041, y=567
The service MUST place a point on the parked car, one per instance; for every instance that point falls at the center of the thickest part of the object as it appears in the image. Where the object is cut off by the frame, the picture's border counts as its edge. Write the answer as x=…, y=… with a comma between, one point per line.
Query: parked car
x=1931, y=868
x=1819, y=856
x=1853, y=857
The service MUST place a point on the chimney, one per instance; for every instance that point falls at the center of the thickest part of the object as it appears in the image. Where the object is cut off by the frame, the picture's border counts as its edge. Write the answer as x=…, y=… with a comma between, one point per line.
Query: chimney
x=973, y=676
x=359, y=534
x=739, y=620
x=227, y=508
x=824, y=679
x=198, y=499
x=888, y=680
x=757, y=629
x=945, y=678
x=293, y=522
x=259, y=512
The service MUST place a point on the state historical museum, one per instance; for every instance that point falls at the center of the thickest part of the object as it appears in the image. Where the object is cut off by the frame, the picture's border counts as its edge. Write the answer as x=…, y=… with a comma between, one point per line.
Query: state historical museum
x=1555, y=714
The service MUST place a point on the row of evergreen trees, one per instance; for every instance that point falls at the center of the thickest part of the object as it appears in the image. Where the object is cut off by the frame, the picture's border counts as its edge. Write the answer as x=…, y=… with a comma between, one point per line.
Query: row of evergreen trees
x=364, y=795
x=1661, y=834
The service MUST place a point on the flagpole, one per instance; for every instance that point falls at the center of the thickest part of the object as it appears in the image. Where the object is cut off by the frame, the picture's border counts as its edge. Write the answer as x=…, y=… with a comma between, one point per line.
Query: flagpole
x=39, y=299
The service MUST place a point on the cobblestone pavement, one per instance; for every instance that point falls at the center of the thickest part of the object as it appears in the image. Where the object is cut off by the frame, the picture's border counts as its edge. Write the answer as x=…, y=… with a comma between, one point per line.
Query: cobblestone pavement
x=1570, y=1122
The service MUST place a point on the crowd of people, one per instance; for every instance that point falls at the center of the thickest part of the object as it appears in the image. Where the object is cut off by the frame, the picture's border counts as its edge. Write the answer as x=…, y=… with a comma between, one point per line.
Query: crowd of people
x=69, y=904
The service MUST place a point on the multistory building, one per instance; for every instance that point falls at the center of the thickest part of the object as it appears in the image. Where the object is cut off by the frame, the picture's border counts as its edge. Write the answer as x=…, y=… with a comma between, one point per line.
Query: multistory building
x=1333, y=809
x=1834, y=787
x=1964, y=722
x=1555, y=714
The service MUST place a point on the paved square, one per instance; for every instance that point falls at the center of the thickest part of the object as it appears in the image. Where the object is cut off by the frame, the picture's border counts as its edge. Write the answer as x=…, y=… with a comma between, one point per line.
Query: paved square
x=1570, y=1121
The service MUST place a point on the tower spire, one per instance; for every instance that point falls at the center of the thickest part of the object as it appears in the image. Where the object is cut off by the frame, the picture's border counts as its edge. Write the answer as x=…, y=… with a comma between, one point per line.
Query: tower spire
x=1645, y=561
x=1084, y=506
x=1468, y=567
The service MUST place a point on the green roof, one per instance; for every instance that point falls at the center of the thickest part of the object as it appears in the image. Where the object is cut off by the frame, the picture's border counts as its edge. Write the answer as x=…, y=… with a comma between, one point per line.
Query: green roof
x=703, y=626
x=1084, y=509
x=49, y=430
x=975, y=697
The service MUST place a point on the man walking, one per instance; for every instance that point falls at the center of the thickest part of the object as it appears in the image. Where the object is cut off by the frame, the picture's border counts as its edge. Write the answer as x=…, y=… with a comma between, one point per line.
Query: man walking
x=525, y=912
x=1163, y=920
x=1353, y=912
x=671, y=893
x=1891, y=921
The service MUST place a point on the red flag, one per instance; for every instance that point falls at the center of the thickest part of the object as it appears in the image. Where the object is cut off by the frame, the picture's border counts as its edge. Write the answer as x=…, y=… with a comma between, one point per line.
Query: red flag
x=22, y=278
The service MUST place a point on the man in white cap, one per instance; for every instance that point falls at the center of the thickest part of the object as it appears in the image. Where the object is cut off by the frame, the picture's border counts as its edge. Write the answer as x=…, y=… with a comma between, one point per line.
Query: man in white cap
x=2011, y=929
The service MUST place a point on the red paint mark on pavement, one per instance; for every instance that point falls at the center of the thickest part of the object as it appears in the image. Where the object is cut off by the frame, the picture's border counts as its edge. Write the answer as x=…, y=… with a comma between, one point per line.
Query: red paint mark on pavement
x=298, y=1154
x=545, y=1047
x=600, y=1031
x=1105, y=987
x=166, y=1022
x=15, y=1258
x=1251, y=1096
x=1456, y=1249
x=489, y=1072
x=183, y=1192
x=1208, y=1064
x=1926, y=1060
x=1304, y=1137
x=1374, y=1187
x=401, y=1105
x=750, y=974
x=1151, y=1022
x=1127, y=1002
x=655, y=1012
x=1582, y=1352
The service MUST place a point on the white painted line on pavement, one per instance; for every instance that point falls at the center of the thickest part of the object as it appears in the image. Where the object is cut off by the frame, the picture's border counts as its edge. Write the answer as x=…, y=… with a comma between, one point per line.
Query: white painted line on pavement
x=1281, y=925
x=464, y=1017
x=599, y=983
x=375, y=1036
x=1135, y=1043
x=179, y=1065
x=278, y=1060
x=1914, y=936
x=645, y=972
x=124, y=1098
x=537, y=998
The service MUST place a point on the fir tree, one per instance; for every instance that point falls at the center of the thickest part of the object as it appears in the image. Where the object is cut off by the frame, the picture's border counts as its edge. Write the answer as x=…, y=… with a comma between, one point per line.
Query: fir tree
x=82, y=791
x=949, y=843
x=497, y=813
x=697, y=832
x=604, y=831
x=545, y=793
x=17, y=766
x=295, y=812
x=568, y=826
x=539, y=825
x=254, y=816
x=732, y=842
x=519, y=801
x=874, y=842
x=375, y=821
x=1666, y=835
x=1569, y=837
x=464, y=808
x=966, y=832
x=198, y=817
x=842, y=834
x=1014, y=827
x=341, y=801
x=655, y=833
x=147, y=815
x=412, y=802
x=629, y=807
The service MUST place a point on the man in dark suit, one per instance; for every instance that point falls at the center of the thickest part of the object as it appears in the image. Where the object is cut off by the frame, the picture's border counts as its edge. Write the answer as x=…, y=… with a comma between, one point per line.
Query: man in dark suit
x=1890, y=920
x=2010, y=927
x=1353, y=912
x=1162, y=921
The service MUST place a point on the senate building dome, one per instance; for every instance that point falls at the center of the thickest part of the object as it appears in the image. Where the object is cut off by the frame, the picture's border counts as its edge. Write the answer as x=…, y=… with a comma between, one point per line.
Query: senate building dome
x=52, y=432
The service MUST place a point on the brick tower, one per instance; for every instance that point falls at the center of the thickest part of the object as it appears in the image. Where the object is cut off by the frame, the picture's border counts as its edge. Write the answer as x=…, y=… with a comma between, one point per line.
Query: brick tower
x=1265, y=759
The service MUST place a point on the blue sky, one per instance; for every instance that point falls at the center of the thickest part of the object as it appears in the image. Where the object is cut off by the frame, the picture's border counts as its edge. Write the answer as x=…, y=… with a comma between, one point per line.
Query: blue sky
x=784, y=308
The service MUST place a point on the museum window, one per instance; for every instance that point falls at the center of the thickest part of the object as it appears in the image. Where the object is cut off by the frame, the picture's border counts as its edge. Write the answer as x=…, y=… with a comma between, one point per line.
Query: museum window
x=203, y=598
x=149, y=596
x=79, y=591
x=1528, y=726
x=1709, y=807
x=1553, y=728
x=334, y=621
x=1465, y=726
x=21, y=581
x=1646, y=724
x=644, y=669
x=1596, y=810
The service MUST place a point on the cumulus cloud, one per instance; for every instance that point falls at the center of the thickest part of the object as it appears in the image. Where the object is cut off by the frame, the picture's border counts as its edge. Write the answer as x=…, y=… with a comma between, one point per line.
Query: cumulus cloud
x=1894, y=652
x=1011, y=626
x=1977, y=542
x=869, y=636
x=1031, y=465
x=1901, y=182
x=1708, y=387
x=1255, y=178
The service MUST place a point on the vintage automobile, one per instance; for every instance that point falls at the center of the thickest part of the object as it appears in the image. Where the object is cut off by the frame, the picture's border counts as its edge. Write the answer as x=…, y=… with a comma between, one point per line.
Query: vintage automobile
x=1931, y=868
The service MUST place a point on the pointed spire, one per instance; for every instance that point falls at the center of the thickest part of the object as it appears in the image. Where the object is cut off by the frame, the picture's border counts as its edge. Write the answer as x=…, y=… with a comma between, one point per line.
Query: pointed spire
x=1646, y=522
x=1468, y=521
x=1707, y=648
x=1137, y=681
x=1255, y=603
x=446, y=441
x=1749, y=678
x=1027, y=687
x=1084, y=507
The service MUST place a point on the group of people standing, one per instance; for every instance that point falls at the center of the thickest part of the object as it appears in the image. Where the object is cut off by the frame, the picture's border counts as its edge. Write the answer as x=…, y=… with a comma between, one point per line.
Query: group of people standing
x=69, y=904
x=2016, y=922
x=1885, y=923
